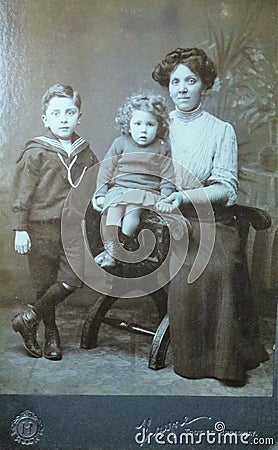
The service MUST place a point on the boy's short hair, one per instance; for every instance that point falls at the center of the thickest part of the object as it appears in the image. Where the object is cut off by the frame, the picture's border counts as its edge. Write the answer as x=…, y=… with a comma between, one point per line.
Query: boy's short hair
x=155, y=104
x=60, y=90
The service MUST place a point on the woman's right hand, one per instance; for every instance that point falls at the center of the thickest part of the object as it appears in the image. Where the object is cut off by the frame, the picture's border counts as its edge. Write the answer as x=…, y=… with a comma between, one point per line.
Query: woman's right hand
x=176, y=198
x=22, y=242
x=98, y=203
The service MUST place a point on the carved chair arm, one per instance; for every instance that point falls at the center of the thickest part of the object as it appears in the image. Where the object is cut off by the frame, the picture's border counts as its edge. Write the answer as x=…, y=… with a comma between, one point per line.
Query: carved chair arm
x=245, y=215
x=258, y=218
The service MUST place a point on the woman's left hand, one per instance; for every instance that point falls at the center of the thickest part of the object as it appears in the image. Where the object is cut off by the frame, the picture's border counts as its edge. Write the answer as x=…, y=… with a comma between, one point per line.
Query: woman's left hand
x=165, y=206
x=176, y=199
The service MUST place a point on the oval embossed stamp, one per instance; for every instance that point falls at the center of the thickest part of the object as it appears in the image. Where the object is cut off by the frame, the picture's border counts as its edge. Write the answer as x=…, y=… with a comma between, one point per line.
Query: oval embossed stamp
x=27, y=428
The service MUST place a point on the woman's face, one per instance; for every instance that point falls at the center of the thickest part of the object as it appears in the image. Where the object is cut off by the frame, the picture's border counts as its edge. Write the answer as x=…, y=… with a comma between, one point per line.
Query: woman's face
x=185, y=88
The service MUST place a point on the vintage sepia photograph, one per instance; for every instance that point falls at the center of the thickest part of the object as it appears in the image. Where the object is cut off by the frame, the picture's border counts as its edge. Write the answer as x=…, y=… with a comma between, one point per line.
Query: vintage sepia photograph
x=139, y=212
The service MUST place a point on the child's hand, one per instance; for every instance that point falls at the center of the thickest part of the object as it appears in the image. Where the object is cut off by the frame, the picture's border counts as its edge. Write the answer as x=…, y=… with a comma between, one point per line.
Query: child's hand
x=98, y=203
x=22, y=242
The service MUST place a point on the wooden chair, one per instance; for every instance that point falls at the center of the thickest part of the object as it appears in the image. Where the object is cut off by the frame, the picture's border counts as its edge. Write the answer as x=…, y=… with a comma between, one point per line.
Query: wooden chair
x=97, y=313
x=246, y=217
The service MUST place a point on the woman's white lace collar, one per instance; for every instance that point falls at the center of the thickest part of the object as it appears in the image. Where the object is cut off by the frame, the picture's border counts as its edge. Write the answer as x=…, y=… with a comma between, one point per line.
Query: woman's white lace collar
x=188, y=116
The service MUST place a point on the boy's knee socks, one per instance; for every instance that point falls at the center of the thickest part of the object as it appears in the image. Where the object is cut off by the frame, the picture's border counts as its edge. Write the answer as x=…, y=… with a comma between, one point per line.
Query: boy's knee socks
x=54, y=295
x=49, y=317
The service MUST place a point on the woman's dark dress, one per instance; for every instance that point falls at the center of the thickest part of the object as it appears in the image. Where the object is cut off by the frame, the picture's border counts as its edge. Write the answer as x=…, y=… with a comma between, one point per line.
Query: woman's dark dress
x=213, y=322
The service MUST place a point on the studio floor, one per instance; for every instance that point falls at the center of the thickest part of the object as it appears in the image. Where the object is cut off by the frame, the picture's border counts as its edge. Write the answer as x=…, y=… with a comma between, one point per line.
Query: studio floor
x=118, y=366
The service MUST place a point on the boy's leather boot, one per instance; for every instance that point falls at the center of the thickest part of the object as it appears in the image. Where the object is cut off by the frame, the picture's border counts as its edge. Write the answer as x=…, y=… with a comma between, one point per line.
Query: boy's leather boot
x=52, y=345
x=27, y=324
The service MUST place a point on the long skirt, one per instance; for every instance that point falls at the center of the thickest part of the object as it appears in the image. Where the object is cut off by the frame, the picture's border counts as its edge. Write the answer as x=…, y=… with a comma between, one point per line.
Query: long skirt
x=213, y=321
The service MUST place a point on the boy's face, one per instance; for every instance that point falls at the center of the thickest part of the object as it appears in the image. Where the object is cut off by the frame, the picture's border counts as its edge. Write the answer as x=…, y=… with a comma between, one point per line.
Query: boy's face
x=61, y=116
x=143, y=127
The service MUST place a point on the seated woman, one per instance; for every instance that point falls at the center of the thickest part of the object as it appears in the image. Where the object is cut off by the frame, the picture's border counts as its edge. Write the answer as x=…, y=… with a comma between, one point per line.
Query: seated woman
x=213, y=324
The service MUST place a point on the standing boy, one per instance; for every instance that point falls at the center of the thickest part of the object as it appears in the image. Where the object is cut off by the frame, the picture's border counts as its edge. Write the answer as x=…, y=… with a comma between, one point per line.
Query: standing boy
x=49, y=166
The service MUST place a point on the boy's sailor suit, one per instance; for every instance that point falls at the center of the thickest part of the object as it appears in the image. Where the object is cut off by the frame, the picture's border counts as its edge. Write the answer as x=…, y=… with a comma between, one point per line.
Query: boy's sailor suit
x=44, y=176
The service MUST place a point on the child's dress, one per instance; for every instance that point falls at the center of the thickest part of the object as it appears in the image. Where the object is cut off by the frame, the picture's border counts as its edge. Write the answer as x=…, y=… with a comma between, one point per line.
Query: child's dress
x=135, y=174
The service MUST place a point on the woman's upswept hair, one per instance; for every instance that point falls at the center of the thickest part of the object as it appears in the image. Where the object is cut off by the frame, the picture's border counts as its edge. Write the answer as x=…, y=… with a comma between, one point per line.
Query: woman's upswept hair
x=154, y=104
x=195, y=58
x=60, y=90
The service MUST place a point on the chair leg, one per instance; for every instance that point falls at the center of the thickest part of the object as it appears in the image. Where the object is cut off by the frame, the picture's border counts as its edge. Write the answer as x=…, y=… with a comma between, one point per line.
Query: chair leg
x=160, y=299
x=94, y=319
x=160, y=345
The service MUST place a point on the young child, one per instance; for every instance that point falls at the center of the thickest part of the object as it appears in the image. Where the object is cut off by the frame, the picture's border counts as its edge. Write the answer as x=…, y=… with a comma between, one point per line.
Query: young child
x=49, y=166
x=136, y=177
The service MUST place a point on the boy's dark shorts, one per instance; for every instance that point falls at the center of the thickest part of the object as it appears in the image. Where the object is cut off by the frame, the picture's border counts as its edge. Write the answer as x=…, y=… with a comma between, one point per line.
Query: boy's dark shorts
x=47, y=260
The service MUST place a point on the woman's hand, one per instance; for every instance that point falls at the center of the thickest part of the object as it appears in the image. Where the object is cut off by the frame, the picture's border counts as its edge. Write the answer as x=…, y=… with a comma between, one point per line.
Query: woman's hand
x=22, y=242
x=98, y=203
x=165, y=205
x=176, y=199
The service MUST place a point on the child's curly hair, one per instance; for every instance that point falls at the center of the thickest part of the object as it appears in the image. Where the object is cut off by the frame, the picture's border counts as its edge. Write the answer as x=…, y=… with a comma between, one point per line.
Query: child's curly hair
x=154, y=104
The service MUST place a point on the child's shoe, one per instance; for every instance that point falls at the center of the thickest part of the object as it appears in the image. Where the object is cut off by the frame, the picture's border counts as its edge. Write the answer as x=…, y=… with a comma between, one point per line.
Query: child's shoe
x=130, y=243
x=100, y=257
x=107, y=258
x=108, y=261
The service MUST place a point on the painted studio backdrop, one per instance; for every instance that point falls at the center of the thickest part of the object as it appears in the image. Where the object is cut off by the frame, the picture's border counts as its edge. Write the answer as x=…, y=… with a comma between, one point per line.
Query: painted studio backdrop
x=107, y=49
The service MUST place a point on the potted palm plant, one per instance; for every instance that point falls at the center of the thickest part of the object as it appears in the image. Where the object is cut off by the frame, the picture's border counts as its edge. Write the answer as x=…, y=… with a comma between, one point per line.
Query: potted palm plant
x=245, y=91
